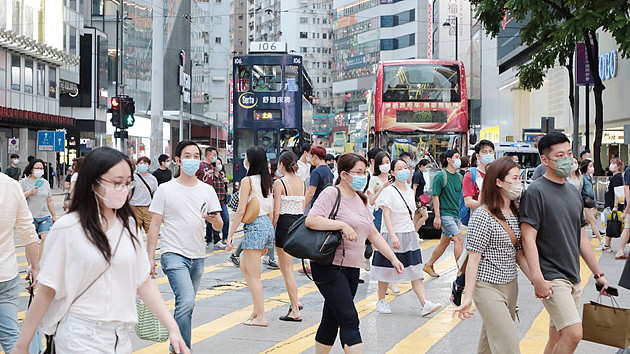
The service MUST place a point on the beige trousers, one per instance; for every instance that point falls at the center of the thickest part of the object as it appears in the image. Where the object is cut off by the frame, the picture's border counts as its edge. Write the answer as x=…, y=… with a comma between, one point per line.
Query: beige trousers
x=497, y=306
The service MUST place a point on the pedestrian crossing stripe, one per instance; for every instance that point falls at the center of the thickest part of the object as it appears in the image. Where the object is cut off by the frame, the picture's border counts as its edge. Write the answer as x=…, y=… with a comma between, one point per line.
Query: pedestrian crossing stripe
x=306, y=338
x=536, y=338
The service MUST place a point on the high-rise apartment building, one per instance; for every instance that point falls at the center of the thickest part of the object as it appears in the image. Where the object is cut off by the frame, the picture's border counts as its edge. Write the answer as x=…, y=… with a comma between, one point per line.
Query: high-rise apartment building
x=238, y=26
x=366, y=32
x=306, y=27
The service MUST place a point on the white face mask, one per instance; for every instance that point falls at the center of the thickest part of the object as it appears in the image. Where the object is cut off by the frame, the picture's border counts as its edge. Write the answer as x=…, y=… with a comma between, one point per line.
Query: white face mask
x=16, y=161
x=219, y=167
x=384, y=168
x=38, y=173
x=167, y=164
x=612, y=167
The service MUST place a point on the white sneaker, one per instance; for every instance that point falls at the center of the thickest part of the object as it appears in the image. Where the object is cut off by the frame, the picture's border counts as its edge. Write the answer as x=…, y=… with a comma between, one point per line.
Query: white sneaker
x=383, y=307
x=393, y=289
x=429, y=307
x=604, y=248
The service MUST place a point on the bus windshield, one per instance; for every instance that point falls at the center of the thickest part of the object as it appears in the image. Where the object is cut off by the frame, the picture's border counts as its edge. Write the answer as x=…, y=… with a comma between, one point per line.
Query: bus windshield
x=421, y=83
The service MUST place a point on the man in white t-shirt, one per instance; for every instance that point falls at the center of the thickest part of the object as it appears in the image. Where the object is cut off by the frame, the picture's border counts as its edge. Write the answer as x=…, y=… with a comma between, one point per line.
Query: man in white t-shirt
x=14, y=215
x=304, y=164
x=183, y=205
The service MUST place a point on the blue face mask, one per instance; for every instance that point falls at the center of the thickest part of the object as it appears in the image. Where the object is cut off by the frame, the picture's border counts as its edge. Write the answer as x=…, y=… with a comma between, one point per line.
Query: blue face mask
x=487, y=159
x=403, y=175
x=190, y=166
x=214, y=158
x=142, y=168
x=358, y=182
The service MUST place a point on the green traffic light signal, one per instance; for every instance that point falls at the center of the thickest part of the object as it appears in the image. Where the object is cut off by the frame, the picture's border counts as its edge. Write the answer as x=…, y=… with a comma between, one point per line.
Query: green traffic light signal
x=130, y=120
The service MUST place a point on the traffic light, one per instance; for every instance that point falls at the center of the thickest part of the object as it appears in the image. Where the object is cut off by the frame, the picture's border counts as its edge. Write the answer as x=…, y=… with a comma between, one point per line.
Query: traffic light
x=127, y=111
x=115, y=111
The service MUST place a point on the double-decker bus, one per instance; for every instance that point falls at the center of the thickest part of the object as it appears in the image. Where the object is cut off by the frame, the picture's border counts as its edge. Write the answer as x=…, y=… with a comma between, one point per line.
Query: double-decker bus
x=420, y=106
x=271, y=108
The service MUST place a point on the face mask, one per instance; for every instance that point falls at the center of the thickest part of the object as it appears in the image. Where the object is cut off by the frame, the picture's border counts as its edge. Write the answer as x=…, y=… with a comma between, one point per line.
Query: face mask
x=219, y=167
x=167, y=164
x=190, y=166
x=38, y=173
x=279, y=174
x=612, y=167
x=265, y=143
x=331, y=165
x=308, y=158
x=384, y=168
x=261, y=83
x=591, y=170
x=358, y=182
x=142, y=168
x=16, y=161
x=403, y=175
x=575, y=167
x=214, y=158
x=515, y=190
x=113, y=199
x=487, y=159
x=457, y=163
x=564, y=167
x=409, y=164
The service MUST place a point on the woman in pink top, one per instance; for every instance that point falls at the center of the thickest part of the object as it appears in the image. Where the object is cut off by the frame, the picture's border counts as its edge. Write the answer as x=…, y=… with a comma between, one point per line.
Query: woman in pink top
x=338, y=282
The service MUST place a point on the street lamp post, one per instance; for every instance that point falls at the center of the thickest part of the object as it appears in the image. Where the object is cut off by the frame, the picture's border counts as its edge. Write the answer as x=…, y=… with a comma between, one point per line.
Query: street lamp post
x=448, y=24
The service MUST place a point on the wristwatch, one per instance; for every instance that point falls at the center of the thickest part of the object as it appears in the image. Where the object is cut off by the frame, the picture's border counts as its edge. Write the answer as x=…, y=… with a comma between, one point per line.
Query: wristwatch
x=597, y=276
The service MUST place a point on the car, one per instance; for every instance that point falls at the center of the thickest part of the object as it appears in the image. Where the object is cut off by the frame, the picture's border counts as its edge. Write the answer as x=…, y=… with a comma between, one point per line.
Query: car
x=527, y=155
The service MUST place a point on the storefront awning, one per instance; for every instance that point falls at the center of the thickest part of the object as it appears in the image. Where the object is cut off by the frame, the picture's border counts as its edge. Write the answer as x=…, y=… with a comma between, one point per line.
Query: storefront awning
x=23, y=118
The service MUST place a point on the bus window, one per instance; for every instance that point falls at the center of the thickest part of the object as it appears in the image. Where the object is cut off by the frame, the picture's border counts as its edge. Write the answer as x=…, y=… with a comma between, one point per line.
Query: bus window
x=267, y=78
x=267, y=139
x=289, y=139
x=244, y=139
x=242, y=78
x=290, y=78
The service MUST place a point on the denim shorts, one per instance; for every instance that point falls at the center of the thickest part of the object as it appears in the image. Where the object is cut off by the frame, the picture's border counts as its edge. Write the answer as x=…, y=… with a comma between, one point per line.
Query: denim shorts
x=42, y=225
x=450, y=226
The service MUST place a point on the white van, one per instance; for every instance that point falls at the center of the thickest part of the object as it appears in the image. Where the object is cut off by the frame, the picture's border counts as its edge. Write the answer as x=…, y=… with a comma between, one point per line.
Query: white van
x=528, y=158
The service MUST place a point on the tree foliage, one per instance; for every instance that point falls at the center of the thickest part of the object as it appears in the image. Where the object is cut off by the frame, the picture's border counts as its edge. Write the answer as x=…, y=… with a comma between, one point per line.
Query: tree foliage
x=552, y=28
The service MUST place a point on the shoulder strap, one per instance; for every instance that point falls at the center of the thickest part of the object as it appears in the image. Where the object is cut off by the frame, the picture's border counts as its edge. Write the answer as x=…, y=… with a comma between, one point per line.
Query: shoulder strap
x=145, y=184
x=403, y=198
x=444, y=176
x=367, y=184
x=505, y=226
x=285, y=187
x=335, y=209
x=473, y=175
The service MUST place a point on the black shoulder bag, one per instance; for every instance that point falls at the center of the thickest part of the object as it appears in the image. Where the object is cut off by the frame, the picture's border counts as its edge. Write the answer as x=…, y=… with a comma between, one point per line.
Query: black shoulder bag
x=318, y=246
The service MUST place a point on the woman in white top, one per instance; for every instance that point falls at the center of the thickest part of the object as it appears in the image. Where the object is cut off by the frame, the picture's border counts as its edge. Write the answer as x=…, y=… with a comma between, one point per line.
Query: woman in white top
x=39, y=197
x=399, y=230
x=259, y=235
x=288, y=200
x=92, y=267
x=575, y=178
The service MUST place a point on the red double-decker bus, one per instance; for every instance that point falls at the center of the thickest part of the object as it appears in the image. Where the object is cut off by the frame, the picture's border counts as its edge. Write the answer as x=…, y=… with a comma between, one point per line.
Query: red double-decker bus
x=420, y=106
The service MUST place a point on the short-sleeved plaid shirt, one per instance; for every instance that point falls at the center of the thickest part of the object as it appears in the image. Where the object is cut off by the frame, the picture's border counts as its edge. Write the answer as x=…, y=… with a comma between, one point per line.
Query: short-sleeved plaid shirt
x=220, y=187
x=498, y=256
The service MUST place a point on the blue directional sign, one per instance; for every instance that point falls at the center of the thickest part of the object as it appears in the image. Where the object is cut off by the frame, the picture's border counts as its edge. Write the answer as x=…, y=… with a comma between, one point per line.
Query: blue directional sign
x=51, y=141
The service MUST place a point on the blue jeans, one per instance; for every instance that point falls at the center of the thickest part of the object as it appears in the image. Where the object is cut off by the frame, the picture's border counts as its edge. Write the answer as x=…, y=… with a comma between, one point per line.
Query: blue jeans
x=9, y=332
x=225, y=216
x=184, y=275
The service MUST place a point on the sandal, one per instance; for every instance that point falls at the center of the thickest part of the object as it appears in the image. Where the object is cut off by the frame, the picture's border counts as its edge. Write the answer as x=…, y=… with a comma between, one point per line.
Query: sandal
x=621, y=257
x=250, y=323
x=289, y=318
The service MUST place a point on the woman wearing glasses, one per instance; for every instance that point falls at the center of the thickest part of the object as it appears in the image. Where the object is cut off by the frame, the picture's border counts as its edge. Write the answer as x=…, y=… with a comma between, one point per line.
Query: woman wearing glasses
x=338, y=282
x=93, y=265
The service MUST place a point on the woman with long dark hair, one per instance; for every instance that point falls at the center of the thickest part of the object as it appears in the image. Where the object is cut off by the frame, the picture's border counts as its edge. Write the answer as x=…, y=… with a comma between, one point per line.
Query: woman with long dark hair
x=258, y=236
x=288, y=200
x=338, y=281
x=495, y=249
x=588, y=170
x=93, y=265
x=37, y=191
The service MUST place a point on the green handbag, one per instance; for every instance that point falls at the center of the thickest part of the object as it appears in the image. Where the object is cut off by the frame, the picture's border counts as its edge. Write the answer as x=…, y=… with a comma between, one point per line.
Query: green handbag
x=148, y=326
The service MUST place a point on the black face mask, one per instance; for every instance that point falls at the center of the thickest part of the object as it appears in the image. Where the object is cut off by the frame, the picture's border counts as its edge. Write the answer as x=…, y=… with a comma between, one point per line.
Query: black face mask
x=331, y=165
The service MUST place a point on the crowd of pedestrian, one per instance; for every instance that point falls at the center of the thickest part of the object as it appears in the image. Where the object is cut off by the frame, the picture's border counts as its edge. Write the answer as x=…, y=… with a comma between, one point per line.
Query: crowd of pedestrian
x=95, y=261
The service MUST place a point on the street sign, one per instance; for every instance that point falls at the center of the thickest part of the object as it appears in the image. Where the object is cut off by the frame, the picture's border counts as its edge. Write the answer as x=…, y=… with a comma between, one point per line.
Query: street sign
x=14, y=146
x=547, y=124
x=51, y=141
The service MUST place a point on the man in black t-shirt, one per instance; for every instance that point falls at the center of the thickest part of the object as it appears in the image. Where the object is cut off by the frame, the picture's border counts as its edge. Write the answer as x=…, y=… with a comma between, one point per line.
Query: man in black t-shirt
x=162, y=173
x=552, y=226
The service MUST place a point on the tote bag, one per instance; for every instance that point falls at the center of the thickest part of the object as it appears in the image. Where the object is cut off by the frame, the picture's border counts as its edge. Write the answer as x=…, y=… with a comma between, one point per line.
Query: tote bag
x=148, y=326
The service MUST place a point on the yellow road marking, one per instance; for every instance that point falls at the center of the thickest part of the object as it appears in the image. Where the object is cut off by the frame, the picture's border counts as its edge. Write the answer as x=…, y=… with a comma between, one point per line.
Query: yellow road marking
x=230, y=320
x=306, y=338
x=536, y=338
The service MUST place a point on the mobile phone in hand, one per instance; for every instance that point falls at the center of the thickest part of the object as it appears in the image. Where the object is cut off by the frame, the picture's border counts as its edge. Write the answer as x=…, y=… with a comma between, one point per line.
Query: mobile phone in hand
x=612, y=291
